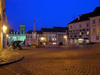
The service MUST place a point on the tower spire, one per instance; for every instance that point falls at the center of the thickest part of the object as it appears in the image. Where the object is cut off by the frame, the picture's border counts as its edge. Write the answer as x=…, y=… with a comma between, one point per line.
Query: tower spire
x=34, y=26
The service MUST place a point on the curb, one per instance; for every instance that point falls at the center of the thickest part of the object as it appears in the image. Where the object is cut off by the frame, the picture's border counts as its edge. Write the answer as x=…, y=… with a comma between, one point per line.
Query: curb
x=7, y=63
x=10, y=57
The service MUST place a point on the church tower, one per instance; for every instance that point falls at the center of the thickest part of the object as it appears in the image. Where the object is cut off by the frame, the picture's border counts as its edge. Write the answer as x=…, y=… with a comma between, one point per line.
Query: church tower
x=22, y=29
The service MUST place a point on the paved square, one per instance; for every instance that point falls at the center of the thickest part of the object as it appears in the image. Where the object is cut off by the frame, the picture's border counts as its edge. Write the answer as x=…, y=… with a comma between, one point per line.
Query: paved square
x=80, y=60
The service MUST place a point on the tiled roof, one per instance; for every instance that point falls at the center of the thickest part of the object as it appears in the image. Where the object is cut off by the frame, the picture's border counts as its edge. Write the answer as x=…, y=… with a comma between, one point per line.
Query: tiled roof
x=96, y=12
x=30, y=32
x=85, y=17
x=39, y=32
x=60, y=29
x=55, y=29
x=48, y=30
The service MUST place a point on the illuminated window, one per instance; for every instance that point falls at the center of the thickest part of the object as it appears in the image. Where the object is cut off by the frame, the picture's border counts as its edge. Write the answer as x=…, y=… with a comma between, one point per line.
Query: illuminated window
x=80, y=33
x=87, y=41
x=75, y=41
x=87, y=32
x=54, y=43
x=52, y=39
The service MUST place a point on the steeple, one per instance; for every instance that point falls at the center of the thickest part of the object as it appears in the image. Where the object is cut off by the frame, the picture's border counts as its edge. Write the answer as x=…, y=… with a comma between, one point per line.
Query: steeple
x=34, y=26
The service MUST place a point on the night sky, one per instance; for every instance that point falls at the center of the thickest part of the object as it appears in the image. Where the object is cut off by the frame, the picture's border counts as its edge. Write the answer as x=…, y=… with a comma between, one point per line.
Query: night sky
x=46, y=13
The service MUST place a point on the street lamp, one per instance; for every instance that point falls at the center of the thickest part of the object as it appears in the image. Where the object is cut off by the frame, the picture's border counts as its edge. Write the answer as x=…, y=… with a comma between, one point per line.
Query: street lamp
x=65, y=37
x=42, y=38
x=4, y=29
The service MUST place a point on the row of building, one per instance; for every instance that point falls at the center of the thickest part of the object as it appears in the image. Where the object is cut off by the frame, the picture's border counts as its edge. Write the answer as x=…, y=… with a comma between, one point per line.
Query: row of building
x=83, y=30
x=49, y=36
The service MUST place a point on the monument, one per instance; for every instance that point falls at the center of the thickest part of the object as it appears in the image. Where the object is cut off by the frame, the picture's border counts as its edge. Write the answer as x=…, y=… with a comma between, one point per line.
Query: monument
x=34, y=35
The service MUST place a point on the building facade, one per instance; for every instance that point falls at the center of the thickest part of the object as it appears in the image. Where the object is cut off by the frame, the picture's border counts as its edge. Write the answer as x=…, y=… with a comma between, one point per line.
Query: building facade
x=15, y=36
x=85, y=28
x=48, y=36
x=3, y=24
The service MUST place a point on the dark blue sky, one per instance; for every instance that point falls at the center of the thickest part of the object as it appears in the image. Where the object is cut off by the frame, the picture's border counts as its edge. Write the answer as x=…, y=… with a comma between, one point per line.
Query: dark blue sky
x=46, y=13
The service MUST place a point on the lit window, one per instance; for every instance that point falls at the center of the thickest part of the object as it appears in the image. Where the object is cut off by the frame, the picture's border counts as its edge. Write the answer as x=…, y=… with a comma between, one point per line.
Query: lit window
x=52, y=39
x=87, y=41
x=97, y=37
x=80, y=33
x=93, y=21
x=75, y=41
x=87, y=32
x=54, y=43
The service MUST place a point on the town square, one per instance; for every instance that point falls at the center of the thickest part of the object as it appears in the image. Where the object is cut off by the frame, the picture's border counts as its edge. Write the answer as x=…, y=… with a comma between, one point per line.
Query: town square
x=53, y=37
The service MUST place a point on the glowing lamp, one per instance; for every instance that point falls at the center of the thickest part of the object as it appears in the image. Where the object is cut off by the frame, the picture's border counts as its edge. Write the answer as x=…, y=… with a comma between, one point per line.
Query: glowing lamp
x=7, y=35
x=4, y=29
x=42, y=38
x=65, y=36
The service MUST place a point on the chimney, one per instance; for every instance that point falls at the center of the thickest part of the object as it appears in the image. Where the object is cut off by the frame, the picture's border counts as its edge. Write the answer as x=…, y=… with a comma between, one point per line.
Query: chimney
x=78, y=17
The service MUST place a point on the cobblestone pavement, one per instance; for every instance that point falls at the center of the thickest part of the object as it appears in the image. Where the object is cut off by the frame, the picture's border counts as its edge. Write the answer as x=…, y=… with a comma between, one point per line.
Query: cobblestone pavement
x=79, y=60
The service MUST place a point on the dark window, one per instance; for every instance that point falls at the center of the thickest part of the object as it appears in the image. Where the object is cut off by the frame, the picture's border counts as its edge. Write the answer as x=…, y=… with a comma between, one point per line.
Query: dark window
x=80, y=26
x=22, y=32
x=94, y=30
x=70, y=27
x=93, y=21
x=99, y=20
x=87, y=29
x=87, y=24
x=83, y=29
x=97, y=37
x=82, y=33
